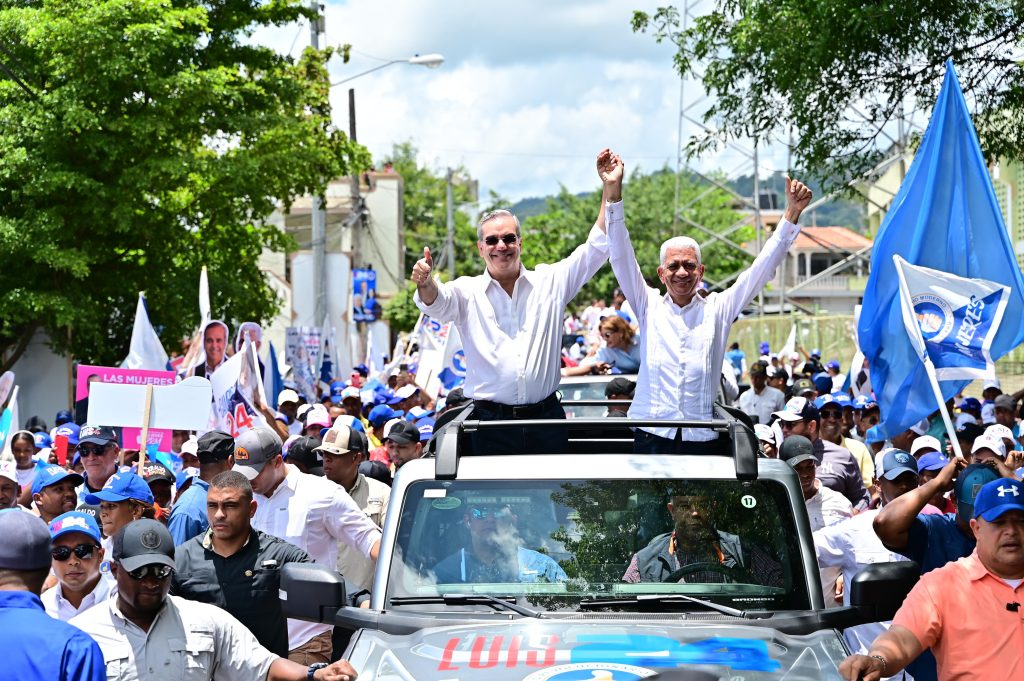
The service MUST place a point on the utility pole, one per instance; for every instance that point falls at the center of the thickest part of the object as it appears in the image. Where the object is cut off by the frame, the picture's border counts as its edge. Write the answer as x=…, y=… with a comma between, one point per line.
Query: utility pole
x=318, y=215
x=450, y=205
x=757, y=222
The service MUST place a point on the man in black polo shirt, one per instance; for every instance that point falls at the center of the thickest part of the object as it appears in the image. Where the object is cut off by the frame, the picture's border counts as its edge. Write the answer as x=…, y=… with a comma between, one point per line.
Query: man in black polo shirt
x=236, y=567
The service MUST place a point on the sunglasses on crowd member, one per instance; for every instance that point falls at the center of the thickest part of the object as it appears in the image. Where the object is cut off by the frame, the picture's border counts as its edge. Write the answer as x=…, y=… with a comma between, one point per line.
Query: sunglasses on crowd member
x=509, y=239
x=62, y=553
x=688, y=266
x=85, y=451
x=484, y=513
x=156, y=571
x=831, y=413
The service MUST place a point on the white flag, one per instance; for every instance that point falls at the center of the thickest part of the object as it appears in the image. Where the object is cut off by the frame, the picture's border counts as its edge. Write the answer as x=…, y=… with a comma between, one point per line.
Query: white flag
x=204, y=298
x=145, y=351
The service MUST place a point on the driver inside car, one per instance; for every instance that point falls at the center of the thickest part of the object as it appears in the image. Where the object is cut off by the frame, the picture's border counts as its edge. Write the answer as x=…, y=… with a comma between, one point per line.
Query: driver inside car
x=695, y=552
x=494, y=553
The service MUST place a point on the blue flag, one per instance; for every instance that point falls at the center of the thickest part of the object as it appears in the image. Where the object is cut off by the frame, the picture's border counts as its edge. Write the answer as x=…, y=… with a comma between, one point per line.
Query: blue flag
x=273, y=384
x=944, y=217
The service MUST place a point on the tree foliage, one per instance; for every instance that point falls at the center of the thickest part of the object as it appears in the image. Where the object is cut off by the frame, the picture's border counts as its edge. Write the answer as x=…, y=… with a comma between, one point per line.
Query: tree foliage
x=140, y=140
x=838, y=72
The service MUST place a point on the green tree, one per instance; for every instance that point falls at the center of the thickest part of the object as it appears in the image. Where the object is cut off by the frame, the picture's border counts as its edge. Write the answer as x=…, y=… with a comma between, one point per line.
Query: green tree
x=140, y=140
x=838, y=72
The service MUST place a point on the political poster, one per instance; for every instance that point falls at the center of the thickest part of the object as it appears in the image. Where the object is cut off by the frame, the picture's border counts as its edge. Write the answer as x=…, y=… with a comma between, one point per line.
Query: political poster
x=235, y=386
x=301, y=352
x=365, y=307
x=129, y=436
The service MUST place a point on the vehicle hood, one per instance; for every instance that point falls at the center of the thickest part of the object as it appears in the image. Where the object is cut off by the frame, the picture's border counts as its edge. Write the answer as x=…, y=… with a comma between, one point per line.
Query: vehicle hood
x=597, y=650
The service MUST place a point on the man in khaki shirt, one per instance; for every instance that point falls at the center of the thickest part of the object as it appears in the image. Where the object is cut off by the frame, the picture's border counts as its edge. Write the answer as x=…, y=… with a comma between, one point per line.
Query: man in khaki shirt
x=343, y=449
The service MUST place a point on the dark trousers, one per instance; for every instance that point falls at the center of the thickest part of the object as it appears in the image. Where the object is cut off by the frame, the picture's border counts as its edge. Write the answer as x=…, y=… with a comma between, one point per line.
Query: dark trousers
x=519, y=440
x=649, y=443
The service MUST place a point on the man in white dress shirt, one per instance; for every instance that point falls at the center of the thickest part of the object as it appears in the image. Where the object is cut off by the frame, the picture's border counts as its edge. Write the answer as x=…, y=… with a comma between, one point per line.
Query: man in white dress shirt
x=683, y=334
x=77, y=555
x=510, y=322
x=308, y=511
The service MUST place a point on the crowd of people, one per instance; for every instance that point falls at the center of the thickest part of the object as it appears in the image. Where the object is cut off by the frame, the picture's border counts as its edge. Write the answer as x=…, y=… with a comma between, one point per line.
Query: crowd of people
x=163, y=570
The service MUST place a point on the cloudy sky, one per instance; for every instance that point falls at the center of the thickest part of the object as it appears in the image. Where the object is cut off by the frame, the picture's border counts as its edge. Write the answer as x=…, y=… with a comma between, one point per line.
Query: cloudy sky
x=529, y=91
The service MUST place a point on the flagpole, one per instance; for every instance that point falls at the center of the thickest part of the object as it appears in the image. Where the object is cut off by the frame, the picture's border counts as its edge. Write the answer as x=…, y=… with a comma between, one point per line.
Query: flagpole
x=914, y=333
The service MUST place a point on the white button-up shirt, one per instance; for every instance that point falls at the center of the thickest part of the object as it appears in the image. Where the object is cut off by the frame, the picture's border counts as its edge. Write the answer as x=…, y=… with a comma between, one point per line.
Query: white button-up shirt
x=683, y=347
x=826, y=508
x=850, y=546
x=60, y=608
x=513, y=343
x=188, y=640
x=313, y=513
x=372, y=496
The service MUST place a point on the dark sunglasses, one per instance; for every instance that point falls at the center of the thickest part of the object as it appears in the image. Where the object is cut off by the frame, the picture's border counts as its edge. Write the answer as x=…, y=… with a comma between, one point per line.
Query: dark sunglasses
x=509, y=239
x=831, y=414
x=91, y=451
x=62, y=553
x=484, y=513
x=688, y=266
x=156, y=571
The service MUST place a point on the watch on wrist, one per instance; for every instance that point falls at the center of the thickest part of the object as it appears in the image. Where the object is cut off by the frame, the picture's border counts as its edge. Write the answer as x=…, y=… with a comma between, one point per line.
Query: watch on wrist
x=313, y=669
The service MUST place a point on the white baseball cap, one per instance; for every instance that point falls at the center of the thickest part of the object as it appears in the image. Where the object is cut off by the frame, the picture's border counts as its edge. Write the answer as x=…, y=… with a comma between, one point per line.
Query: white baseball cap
x=9, y=470
x=287, y=395
x=986, y=441
x=407, y=391
x=925, y=442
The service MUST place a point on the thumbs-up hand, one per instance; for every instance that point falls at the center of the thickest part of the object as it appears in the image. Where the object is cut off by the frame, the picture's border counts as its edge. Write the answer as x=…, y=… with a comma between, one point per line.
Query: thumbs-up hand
x=423, y=267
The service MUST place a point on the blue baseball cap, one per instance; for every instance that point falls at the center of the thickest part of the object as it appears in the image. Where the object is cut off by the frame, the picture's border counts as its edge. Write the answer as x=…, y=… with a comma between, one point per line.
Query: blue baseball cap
x=967, y=486
x=75, y=521
x=121, y=487
x=823, y=383
x=50, y=475
x=70, y=431
x=862, y=402
x=184, y=476
x=833, y=364
x=839, y=399
x=816, y=353
x=417, y=413
x=381, y=414
x=764, y=347
x=43, y=440
x=426, y=428
x=392, y=398
x=931, y=461
x=63, y=416
x=970, y=403
x=896, y=462
x=337, y=387
x=998, y=497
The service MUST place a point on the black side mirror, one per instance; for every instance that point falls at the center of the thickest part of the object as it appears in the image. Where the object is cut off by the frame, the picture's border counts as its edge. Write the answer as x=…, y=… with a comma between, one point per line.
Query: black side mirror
x=879, y=589
x=311, y=592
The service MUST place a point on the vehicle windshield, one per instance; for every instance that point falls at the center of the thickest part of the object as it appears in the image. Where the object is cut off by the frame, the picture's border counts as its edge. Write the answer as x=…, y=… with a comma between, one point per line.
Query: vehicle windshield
x=591, y=389
x=553, y=544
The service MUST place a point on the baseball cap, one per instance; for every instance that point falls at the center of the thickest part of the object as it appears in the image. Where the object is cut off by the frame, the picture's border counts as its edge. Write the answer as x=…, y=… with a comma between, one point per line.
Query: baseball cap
x=457, y=397
x=1004, y=402
x=925, y=442
x=402, y=432
x=861, y=402
x=63, y=416
x=302, y=450
x=931, y=461
x=1000, y=431
x=190, y=446
x=337, y=387
x=50, y=475
x=351, y=391
x=120, y=487
x=764, y=347
x=407, y=391
x=991, y=383
x=75, y=521
x=215, y=445
x=921, y=427
x=141, y=543
x=837, y=398
x=42, y=440
x=970, y=403
x=816, y=353
x=381, y=414
x=376, y=470
x=619, y=386
x=340, y=439
x=154, y=471
x=986, y=441
x=9, y=470
x=798, y=409
x=26, y=544
x=796, y=449
x=764, y=432
x=70, y=431
x=254, y=448
x=997, y=497
x=318, y=416
x=346, y=420
x=417, y=413
x=287, y=395
x=969, y=431
x=962, y=419
x=96, y=435
x=301, y=412
x=967, y=485
x=896, y=462
x=426, y=428
x=833, y=364
x=185, y=475
x=803, y=385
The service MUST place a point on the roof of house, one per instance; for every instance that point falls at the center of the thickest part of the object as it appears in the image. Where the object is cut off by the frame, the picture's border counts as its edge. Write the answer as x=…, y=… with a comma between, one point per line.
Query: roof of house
x=824, y=238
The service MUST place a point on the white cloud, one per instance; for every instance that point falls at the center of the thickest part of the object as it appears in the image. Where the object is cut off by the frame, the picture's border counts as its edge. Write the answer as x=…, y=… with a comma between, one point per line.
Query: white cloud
x=529, y=92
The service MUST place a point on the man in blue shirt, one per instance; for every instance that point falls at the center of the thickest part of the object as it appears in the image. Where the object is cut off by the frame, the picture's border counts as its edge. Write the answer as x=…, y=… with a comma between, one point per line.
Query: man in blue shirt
x=216, y=452
x=43, y=647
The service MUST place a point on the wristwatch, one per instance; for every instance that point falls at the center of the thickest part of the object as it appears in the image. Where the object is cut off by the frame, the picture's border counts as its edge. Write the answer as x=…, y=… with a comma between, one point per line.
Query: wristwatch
x=313, y=669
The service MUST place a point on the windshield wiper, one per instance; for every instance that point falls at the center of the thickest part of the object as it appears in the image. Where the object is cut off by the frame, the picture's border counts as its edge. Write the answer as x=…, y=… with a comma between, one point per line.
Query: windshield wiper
x=468, y=599
x=660, y=599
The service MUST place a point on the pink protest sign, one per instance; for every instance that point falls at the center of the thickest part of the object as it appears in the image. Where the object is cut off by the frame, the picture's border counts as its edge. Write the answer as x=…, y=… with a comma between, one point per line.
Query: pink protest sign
x=129, y=436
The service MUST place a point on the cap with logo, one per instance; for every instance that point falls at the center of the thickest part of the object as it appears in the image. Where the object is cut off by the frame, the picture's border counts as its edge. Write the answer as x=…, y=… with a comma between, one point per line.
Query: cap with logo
x=803, y=385
x=998, y=497
x=426, y=428
x=70, y=431
x=75, y=521
x=215, y=445
x=96, y=435
x=796, y=449
x=764, y=433
x=862, y=402
x=50, y=475
x=991, y=443
x=254, y=448
x=186, y=475
x=417, y=413
x=9, y=470
x=1000, y=431
x=931, y=461
x=42, y=440
x=381, y=414
x=318, y=416
x=798, y=409
x=402, y=432
x=339, y=440
x=26, y=541
x=896, y=462
x=141, y=543
x=970, y=404
x=122, y=486
x=833, y=364
x=154, y=471
x=923, y=444
x=969, y=431
x=967, y=485
x=63, y=416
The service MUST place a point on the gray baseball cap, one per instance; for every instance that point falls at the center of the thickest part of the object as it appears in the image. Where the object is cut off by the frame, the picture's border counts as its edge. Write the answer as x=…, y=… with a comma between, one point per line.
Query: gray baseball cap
x=254, y=448
x=26, y=543
x=143, y=542
x=796, y=449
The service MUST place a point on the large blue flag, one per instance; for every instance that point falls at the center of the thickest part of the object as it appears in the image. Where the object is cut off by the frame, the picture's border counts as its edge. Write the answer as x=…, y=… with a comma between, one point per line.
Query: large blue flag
x=945, y=217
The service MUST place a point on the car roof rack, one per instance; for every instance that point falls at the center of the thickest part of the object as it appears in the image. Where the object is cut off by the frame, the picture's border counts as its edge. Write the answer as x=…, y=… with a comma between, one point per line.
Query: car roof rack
x=451, y=439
